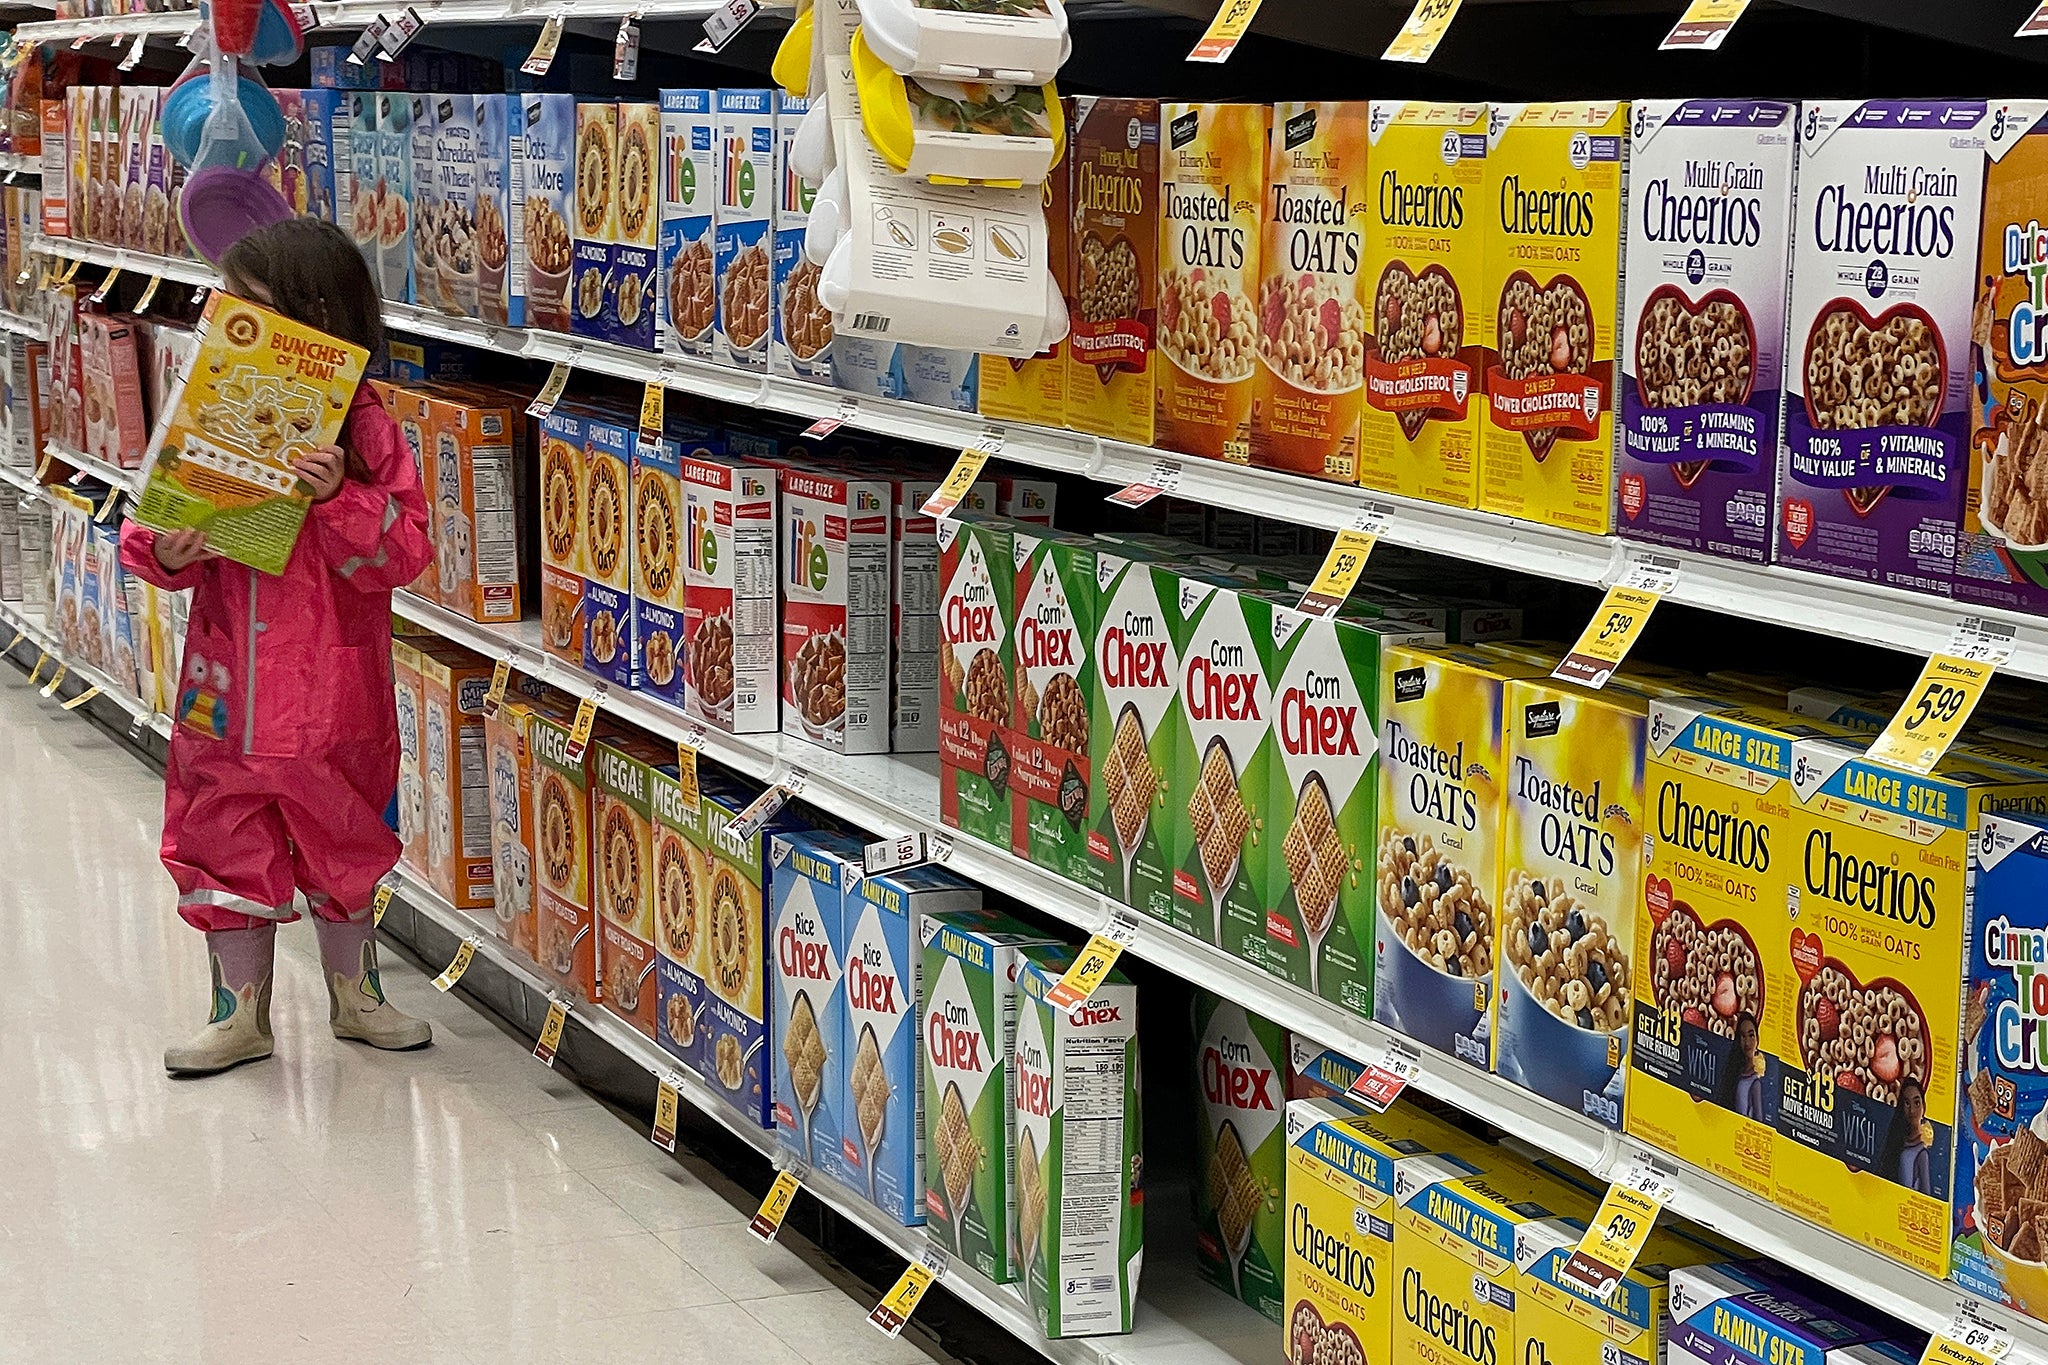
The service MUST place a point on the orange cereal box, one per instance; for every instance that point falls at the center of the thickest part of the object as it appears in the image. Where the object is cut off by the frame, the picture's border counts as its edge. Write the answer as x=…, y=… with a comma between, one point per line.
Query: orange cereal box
x=561, y=843
x=453, y=682
x=1035, y=390
x=1113, y=303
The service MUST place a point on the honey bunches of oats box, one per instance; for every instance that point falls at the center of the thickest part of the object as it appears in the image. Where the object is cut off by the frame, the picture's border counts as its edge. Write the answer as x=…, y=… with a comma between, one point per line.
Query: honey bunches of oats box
x=1130, y=736
x=1053, y=697
x=610, y=649
x=1864, y=1008
x=679, y=923
x=810, y=870
x=976, y=653
x=622, y=828
x=967, y=1022
x=1240, y=1151
x=732, y=901
x=1079, y=1162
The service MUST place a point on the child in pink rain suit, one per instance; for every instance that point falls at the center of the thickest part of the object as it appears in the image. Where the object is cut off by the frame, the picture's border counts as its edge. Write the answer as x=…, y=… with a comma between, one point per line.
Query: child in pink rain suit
x=285, y=752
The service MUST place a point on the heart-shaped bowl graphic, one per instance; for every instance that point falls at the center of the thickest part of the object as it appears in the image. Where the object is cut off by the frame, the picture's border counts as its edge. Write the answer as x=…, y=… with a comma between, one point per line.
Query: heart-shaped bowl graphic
x=1839, y=325
x=1869, y=1037
x=1712, y=994
x=1512, y=317
x=1669, y=307
x=1397, y=337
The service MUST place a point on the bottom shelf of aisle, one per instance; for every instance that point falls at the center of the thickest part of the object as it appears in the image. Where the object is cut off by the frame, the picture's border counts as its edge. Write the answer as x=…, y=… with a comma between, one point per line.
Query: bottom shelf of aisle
x=32, y=629
x=1180, y=1319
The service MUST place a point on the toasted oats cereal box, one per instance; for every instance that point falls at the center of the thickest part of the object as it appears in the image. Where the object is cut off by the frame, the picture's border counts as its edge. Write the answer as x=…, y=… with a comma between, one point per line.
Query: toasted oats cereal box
x=687, y=303
x=977, y=605
x=1424, y=228
x=1054, y=583
x=967, y=1024
x=1555, y=177
x=1442, y=836
x=1571, y=868
x=412, y=781
x=1709, y=246
x=1872, y=472
x=475, y=529
x=745, y=229
x=836, y=609
x=395, y=211
x=561, y=836
x=512, y=821
x=622, y=842
x=810, y=873
x=729, y=593
x=1557, y=1321
x=452, y=686
x=732, y=901
x=1035, y=389
x=1130, y=736
x=1212, y=176
x=609, y=648
x=1240, y=1152
x=1345, y=1173
x=1079, y=1168
x=1113, y=148
x=1759, y=1313
x=2002, y=556
x=549, y=147
x=1863, y=1006
x=677, y=863
x=562, y=532
x=1322, y=800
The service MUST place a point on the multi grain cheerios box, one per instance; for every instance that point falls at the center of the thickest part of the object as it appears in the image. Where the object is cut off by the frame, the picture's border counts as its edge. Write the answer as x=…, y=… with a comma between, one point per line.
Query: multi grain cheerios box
x=622, y=861
x=561, y=837
x=729, y=581
x=745, y=230
x=689, y=194
x=1054, y=694
x=1709, y=247
x=562, y=533
x=1863, y=1007
x=967, y=1027
x=1079, y=1169
x=453, y=682
x=1131, y=738
x=1212, y=179
x=836, y=608
x=1871, y=485
x=549, y=181
x=1550, y=309
x=1758, y=1313
x=810, y=872
x=512, y=821
x=1571, y=866
x=1424, y=228
x=595, y=219
x=977, y=607
x=609, y=647
x=1111, y=369
x=679, y=925
x=1442, y=837
x=1240, y=1152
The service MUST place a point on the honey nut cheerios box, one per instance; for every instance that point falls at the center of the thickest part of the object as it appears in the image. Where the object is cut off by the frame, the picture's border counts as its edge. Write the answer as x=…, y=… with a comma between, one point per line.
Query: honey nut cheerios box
x=1864, y=1010
x=1212, y=179
x=1550, y=311
x=977, y=606
x=677, y=868
x=610, y=648
x=1053, y=698
x=812, y=872
x=453, y=682
x=1111, y=368
x=561, y=837
x=622, y=863
x=1425, y=232
x=1240, y=1072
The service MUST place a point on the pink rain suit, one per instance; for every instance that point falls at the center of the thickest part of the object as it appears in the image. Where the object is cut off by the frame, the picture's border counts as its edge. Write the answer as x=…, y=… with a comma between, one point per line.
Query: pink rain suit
x=285, y=750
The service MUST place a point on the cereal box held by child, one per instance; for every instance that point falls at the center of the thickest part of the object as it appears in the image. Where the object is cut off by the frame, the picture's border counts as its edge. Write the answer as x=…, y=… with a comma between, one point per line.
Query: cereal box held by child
x=263, y=391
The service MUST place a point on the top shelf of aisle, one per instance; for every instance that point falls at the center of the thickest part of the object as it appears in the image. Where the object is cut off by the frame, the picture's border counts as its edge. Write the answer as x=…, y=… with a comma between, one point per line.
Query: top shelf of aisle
x=356, y=13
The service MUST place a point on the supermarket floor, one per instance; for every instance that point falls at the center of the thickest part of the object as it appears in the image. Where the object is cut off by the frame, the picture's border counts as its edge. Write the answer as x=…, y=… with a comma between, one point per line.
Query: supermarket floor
x=333, y=1203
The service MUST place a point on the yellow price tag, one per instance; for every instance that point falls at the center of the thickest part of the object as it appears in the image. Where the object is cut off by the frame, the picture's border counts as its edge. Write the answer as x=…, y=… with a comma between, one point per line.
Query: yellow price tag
x=1608, y=637
x=50, y=687
x=579, y=730
x=768, y=1218
x=1613, y=1242
x=70, y=272
x=1968, y=1339
x=379, y=903
x=550, y=1041
x=1339, y=574
x=1425, y=28
x=1093, y=964
x=958, y=481
x=99, y=295
x=42, y=657
x=1946, y=1350
x=148, y=293
x=903, y=1297
x=1225, y=31
x=43, y=465
x=558, y=378
x=452, y=973
x=690, y=794
x=651, y=400
x=82, y=698
x=1934, y=713
x=111, y=505
x=1703, y=25
x=501, y=678
x=668, y=1102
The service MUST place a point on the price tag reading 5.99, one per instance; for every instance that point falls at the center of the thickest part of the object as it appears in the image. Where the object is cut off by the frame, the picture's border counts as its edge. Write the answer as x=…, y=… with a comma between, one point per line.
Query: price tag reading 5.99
x=1608, y=636
x=1934, y=713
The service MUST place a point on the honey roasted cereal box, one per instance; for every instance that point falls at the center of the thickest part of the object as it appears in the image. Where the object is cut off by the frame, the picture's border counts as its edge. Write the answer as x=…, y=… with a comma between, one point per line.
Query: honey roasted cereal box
x=1130, y=734
x=609, y=648
x=1555, y=181
x=1055, y=674
x=622, y=843
x=1425, y=230
x=977, y=606
x=1212, y=175
x=1872, y=471
x=1111, y=368
x=561, y=805
x=811, y=873
x=1240, y=1152
x=659, y=554
x=562, y=532
x=1709, y=247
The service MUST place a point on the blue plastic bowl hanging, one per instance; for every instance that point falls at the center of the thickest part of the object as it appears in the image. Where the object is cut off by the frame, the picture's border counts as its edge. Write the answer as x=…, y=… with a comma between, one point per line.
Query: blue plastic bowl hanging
x=200, y=133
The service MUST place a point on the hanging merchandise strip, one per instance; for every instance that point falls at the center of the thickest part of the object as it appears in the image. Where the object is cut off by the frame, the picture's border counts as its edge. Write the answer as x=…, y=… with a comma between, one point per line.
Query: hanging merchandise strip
x=1093, y=964
x=1704, y=25
x=1618, y=622
x=1427, y=23
x=399, y=33
x=1225, y=31
x=668, y=1103
x=1940, y=703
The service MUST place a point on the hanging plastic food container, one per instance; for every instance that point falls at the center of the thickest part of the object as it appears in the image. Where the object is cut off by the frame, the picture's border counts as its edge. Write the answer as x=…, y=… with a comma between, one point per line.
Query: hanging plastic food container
x=246, y=133
x=1020, y=42
x=958, y=132
x=222, y=205
x=792, y=65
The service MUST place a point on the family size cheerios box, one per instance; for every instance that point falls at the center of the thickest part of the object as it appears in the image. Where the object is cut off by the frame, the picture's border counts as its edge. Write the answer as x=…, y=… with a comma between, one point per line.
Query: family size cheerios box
x=1872, y=470
x=1864, y=1009
x=1212, y=177
x=731, y=656
x=610, y=649
x=1442, y=837
x=977, y=608
x=1240, y=1152
x=680, y=925
x=1130, y=735
x=812, y=870
x=622, y=859
x=1113, y=147
x=1550, y=308
x=1709, y=246
x=1758, y=1313
x=1556, y=1321
x=1055, y=586
x=561, y=807
x=1424, y=234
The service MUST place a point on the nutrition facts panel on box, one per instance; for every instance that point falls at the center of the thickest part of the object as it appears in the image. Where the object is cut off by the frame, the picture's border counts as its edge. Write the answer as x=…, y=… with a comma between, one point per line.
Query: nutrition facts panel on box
x=1093, y=1163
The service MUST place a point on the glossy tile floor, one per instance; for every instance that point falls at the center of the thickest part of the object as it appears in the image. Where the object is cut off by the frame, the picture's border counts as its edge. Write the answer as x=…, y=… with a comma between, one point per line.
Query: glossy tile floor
x=333, y=1203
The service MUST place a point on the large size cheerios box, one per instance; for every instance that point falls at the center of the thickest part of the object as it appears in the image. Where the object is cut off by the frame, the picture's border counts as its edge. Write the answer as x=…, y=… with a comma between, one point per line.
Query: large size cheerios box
x=1425, y=230
x=1863, y=1011
x=1549, y=311
x=1758, y=1313
x=1441, y=821
x=561, y=816
x=977, y=605
x=811, y=873
x=1872, y=476
x=622, y=866
x=1131, y=747
x=1240, y=1152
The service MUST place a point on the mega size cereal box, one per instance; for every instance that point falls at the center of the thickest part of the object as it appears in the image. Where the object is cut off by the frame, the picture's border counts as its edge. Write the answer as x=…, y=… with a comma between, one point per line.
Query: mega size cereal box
x=810, y=873
x=1240, y=1152
x=1424, y=230
x=561, y=806
x=1703, y=322
x=1130, y=735
x=1212, y=174
x=977, y=606
x=680, y=928
x=732, y=903
x=1872, y=471
x=1055, y=614
x=262, y=391
x=1114, y=152
x=1555, y=180
x=622, y=843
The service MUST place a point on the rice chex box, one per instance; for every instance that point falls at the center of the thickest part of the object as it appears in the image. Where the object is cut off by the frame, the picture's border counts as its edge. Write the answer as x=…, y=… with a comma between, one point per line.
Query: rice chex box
x=808, y=943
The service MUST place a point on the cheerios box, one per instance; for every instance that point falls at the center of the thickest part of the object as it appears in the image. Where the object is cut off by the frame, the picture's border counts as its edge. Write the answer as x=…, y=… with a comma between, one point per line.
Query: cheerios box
x=1113, y=150
x=1863, y=1010
x=561, y=828
x=1872, y=478
x=733, y=641
x=732, y=901
x=622, y=865
x=1442, y=837
x=1709, y=249
x=453, y=682
x=1557, y=1321
x=1571, y=873
x=1131, y=851
x=610, y=649
x=676, y=853
x=1550, y=305
x=548, y=133
x=1757, y=1312
x=659, y=550
x=810, y=873
x=744, y=247
x=1240, y=1072
x=513, y=821
x=687, y=300
x=1054, y=582
x=836, y=608
x=977, y=607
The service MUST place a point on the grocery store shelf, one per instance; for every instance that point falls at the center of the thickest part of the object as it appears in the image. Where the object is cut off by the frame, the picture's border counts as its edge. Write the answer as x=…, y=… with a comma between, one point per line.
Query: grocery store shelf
x=20, y=163
x=142, y=263
x=127, y=480
x=22, y=325
x=349, y=14
x=1177, y=1320
x=15, y=617
x=22, y=480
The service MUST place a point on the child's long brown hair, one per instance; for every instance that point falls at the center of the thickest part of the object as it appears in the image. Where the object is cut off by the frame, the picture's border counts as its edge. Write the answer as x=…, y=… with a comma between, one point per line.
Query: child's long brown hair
x=314, y=274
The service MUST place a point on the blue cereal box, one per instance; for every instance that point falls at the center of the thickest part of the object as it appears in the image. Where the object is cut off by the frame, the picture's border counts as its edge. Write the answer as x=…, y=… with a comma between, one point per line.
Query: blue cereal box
x=609, y=648
x=547, y=149
x=810, y=873
x=745, y=232
x=677, y=866
x=394, y=212
x=426, y=202
x=591, y=294
x=500, y=241
x=658, y=512
x=687, y=300
x=365, y=182
x=802, y=328
x=455, y=180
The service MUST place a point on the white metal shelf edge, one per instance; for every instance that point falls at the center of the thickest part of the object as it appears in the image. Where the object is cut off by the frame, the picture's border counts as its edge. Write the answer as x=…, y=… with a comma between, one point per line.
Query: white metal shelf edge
x=19, y=619
x=126, y=480
x=357, y=13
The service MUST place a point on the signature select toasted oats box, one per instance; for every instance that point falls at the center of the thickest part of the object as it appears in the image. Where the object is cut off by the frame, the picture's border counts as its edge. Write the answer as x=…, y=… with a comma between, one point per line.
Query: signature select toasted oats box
x=561, y=838
x=1863, y=1011
x=977, y=606
x=1240, y=1151
x=622, y=863
x=1425, y=229
x=1113, y=148
x=512, y=821
x=453, y=682
x=1555, y=181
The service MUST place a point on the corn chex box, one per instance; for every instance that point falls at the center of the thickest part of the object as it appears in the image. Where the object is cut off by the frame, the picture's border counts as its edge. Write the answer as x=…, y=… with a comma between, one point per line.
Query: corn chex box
x=1240, y=1151
x=1130, y=737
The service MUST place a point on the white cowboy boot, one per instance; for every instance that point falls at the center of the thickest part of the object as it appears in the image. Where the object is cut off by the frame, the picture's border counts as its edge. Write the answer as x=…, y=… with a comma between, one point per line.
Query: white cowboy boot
x=239, y=1029
x=356, y=1005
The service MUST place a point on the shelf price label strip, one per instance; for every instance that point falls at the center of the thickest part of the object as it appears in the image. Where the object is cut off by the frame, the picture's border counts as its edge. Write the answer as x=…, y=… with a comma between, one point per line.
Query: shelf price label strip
x=909, y=1290
x=536, y=64
x=82, y=698
x=586, y=717
x=953, y=489
x=1615, y=1239
x=1618, y=622
x=767, y=1220
x=691, y=795
x=379, y=903
x=1939, y=704
x=1968, y=1339
x=893, y=855
x=501, y=678
x=726, y=21
x=1343, y=565
x=1164, y=478
x=1381, y=1082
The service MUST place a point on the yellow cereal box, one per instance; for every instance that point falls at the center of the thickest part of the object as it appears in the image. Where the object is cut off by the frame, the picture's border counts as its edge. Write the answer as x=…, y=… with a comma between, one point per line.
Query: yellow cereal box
x=1864, y=1006
x=1035, y=389
x=1570, y=872
x=1311, y=317
x=1212, y=177
x=1341, y=1183
x=1557, y=1323
x=1425, y=226
x=1555, y=178
x=1113, y=301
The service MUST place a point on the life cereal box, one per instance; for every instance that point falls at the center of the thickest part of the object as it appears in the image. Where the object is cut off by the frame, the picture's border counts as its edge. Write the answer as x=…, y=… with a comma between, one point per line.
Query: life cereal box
x=835, y=609
x=622, y=859
x=811, y=872
x=1055, y=685
x=745, y=231
x=1130, y=734
x=1424, y=230
x=1863, y=1012
x=561, y=837
x=1872, y=479
x=1703, y=325
x=729, y=580
x=1212, y=175
x=1240, y=1152
x=689, y=191
x=562, y=532
x=977, y=608
x=1114, y=152
x=1550, y=308
x=263, y=390
x=801, y=331
x=681, y=1022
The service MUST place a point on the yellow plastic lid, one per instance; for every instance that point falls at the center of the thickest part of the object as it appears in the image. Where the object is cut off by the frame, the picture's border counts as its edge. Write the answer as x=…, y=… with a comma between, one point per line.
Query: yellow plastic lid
x=1010, y=117
x=792, y=65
